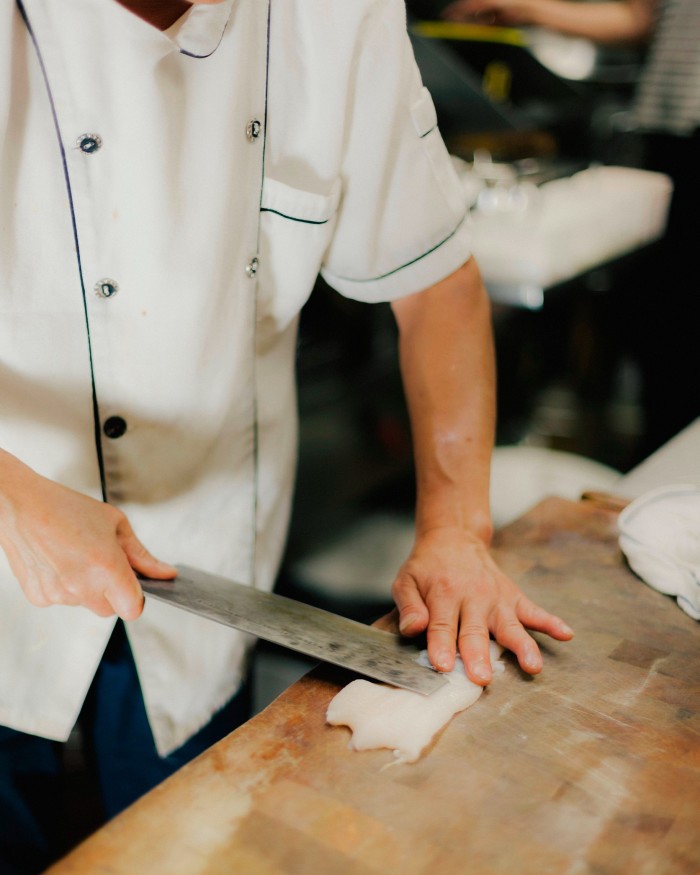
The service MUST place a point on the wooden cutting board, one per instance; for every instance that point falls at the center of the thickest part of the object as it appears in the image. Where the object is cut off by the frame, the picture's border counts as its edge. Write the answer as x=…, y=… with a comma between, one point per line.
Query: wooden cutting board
x=591, y=767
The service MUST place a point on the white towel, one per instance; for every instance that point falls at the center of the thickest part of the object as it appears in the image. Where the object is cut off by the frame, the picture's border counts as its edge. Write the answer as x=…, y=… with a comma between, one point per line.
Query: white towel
x=660, y=536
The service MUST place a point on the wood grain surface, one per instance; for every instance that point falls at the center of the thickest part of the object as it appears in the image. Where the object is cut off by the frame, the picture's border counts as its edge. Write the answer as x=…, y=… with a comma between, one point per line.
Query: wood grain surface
x=591, y=767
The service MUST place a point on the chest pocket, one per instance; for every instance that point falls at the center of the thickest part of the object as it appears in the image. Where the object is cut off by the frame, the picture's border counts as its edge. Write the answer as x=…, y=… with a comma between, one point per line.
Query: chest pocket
x=296, y=227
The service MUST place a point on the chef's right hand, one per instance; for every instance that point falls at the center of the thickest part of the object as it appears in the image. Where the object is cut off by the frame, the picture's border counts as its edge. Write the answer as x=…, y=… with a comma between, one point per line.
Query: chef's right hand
x=66, y=548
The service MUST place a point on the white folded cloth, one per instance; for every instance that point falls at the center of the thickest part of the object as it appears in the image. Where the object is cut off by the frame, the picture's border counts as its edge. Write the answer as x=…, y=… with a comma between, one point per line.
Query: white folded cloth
x=660, y=537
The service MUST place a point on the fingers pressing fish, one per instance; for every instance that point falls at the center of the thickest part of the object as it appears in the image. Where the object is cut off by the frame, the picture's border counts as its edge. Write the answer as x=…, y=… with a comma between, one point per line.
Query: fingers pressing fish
x=382, y=716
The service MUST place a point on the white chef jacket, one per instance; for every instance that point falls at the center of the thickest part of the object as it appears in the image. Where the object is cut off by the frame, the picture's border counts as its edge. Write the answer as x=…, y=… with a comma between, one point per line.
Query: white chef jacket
x=166, y=202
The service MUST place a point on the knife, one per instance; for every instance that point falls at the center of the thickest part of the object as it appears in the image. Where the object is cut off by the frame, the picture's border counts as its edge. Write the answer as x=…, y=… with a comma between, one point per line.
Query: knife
x=298, y=626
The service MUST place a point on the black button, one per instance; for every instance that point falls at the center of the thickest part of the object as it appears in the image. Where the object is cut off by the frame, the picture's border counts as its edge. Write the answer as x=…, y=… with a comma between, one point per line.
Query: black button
x=114, y=427
x=89, y=143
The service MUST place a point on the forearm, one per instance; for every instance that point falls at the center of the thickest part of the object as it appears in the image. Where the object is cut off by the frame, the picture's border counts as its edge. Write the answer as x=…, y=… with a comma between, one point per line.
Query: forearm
x=606, y=22
x=447, y=365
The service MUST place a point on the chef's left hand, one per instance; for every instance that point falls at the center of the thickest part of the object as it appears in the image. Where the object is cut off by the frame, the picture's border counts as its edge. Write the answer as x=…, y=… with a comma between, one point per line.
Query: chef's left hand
x=451, y=586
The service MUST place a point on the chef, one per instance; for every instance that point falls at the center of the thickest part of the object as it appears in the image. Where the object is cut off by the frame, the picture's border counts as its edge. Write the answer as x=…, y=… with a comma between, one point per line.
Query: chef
x=173, y=177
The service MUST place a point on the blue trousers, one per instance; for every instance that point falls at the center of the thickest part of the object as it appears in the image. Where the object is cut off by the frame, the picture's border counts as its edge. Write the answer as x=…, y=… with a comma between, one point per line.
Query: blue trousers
x=35, y=803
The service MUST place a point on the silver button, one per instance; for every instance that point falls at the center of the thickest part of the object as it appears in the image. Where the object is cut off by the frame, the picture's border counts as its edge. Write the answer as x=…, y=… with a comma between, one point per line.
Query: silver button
x=253, y=129
x=106, y=288
x=89, y=143
x=252, y=267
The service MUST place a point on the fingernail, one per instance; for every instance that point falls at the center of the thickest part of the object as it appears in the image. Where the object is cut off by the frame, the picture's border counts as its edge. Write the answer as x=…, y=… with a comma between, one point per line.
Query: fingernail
x=443, y=660
x=531, y=661
x=407, y=621
x=130, y=611
x=567, y=630
x=480, y=671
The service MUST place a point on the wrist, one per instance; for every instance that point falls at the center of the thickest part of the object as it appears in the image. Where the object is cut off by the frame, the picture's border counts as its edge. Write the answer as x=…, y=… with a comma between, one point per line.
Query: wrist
x=475, y=522
x=11, y=469
x=15, y=477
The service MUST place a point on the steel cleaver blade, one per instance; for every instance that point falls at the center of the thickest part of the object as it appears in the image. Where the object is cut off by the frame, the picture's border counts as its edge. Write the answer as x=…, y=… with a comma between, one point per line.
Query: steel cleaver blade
x=297, y=626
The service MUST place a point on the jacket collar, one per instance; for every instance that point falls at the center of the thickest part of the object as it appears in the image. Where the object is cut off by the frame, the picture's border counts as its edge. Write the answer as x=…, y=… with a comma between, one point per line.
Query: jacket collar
x=199, y=32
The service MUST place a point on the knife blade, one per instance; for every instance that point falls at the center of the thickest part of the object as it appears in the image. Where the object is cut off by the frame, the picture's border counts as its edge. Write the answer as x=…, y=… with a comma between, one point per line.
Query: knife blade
x=298, y=626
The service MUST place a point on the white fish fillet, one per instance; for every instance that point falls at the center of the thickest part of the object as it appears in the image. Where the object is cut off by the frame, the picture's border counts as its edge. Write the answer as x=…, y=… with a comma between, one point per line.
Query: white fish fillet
x=405, y=722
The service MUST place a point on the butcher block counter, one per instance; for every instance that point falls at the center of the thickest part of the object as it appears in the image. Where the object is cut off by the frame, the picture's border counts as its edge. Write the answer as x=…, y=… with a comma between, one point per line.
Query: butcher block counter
x=591, y=767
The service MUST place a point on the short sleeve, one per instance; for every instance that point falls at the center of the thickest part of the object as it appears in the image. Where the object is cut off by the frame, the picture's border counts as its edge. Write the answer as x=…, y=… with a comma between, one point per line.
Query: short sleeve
x=401, y=224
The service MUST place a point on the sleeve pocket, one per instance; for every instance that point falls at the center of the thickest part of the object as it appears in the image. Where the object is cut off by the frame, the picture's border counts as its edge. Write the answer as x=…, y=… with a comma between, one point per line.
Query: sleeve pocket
x=300, y=206
x=424, y=114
